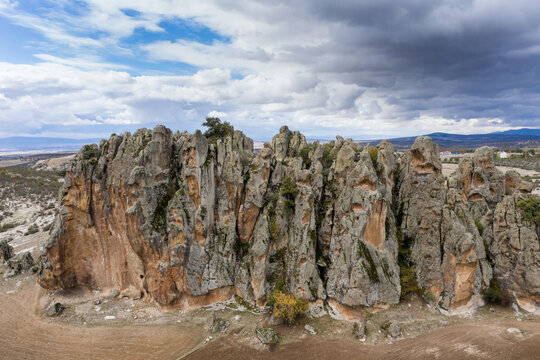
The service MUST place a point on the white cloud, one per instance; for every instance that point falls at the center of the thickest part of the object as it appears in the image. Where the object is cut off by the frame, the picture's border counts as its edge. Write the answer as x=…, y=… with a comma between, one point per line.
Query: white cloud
x=359, y=68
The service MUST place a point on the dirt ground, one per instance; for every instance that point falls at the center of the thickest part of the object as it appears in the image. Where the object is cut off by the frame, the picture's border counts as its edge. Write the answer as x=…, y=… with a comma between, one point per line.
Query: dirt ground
x=25, y=335
x=483, y=340
x=146, y=333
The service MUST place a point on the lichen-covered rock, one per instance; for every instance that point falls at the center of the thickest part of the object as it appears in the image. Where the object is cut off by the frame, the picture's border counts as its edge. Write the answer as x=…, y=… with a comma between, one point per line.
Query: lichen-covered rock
x=447, y=249
x=183, y=222
x=267, y=336
x=362, y=250
x=516, y=253
x=19, y=263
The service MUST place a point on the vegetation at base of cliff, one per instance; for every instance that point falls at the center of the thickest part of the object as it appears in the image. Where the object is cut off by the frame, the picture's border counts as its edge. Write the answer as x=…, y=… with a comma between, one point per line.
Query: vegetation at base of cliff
x=289, y=191
x=217, y=129
x=530, y=209
x=240, y=248
x=494, y=295
x=278, y=275
x=287, y=307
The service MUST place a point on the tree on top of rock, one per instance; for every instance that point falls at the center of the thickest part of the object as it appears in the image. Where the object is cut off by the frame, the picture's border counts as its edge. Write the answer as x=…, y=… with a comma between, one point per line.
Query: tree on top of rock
x=217, y=129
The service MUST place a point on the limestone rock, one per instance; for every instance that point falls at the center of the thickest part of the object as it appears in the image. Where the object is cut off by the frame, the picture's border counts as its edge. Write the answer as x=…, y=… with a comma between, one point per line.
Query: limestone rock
x=19, y=263
x=392, y=329
x=267, y=336
x=516, y=253
x=172, y=218
x=218, y=324
x=54, y=309
x=447, y=249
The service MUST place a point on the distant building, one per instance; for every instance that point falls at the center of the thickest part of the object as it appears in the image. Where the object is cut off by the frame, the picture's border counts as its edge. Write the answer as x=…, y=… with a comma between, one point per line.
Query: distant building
x=445, y=153
x=503, y=155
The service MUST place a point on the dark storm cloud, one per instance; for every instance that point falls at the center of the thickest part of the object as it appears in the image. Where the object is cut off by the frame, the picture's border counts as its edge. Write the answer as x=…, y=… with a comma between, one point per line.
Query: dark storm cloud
x=466, y=49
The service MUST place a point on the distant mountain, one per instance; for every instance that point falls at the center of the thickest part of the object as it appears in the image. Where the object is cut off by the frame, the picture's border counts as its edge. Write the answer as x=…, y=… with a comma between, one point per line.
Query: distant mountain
x=511, y=138
x=26, y=143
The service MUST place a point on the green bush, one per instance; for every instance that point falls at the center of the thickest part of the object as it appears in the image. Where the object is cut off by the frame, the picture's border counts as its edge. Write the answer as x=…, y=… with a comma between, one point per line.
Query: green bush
x=289, y=191
x=373, y=154
x=217, y=129
x=530, y=209
x=304, y=154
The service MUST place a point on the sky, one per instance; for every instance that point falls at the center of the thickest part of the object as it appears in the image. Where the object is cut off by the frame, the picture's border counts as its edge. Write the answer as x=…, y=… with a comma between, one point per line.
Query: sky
x=360, y=69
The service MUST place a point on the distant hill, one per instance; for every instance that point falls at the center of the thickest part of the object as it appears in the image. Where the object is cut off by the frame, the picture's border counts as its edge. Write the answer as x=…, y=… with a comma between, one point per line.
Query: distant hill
x=512, y=138
x=24, y=143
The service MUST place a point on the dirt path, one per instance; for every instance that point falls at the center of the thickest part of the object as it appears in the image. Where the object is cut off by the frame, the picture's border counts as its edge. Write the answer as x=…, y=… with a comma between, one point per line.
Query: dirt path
x=24, y=335
x=483, y=340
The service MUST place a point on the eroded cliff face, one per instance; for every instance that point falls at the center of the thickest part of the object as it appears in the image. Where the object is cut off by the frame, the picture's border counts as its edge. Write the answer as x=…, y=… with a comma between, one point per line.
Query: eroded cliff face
x=186, y=223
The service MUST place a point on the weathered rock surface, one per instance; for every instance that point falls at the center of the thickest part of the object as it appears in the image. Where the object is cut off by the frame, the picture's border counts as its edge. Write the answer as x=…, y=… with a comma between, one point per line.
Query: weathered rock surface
x=184, y=222
x=20, y=263
x=218, y=324
x=267, y=336
x=516, y=252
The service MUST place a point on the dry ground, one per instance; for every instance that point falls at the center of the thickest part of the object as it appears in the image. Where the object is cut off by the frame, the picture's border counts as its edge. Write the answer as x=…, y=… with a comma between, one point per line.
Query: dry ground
x=82, y=332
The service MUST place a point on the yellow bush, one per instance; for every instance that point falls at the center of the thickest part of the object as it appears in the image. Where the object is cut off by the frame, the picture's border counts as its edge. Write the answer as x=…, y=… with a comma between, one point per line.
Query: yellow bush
x=287, y=307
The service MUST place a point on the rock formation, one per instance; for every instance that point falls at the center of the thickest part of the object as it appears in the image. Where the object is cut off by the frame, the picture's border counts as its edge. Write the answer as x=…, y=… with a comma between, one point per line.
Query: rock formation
x=184, y=222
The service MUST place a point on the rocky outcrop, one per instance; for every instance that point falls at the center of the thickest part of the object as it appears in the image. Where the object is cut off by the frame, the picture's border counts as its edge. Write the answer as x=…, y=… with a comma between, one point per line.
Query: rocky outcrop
x=184, y=222
x=516, y=253
x=20, y=263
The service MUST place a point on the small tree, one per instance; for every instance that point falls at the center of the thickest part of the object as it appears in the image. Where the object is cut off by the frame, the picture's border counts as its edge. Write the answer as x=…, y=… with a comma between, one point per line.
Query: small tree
x=217, y=129
x=287, y=307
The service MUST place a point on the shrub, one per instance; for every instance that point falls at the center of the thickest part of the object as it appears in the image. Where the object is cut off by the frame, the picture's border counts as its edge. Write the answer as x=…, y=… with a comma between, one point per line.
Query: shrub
x=329, y=155
x=304, y=154
x=8, y=226
x=217, y=129
x=530, y=209
x=287, y=307
x=493, y=294
x=289, y=191
x=373, y=154
x=32, y=230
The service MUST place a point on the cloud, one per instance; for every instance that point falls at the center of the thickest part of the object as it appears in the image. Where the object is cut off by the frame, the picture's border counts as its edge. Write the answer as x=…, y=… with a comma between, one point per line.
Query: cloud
x=356, y=68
